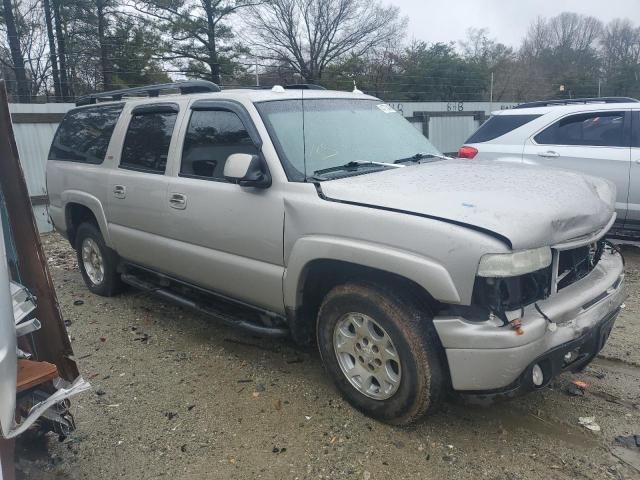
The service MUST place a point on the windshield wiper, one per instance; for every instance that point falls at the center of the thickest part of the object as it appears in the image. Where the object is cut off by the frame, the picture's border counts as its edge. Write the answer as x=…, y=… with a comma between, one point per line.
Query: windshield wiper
x=355, y=165
x=421, y=156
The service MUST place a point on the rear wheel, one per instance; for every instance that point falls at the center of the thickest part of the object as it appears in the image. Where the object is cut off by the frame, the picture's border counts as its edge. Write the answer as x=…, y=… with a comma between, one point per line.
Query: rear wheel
x=382, y=351
x=97, y=262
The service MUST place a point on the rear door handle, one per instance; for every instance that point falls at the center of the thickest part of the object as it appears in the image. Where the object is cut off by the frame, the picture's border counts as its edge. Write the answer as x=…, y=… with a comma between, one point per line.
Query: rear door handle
x=178, y=201
x=119, y=191
x=549, y=154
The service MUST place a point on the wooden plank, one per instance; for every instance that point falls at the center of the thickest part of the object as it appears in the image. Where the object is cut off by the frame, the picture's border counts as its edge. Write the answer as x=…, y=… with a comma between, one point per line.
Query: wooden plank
x=7, y=459
x=51, y=341
x=31, y=374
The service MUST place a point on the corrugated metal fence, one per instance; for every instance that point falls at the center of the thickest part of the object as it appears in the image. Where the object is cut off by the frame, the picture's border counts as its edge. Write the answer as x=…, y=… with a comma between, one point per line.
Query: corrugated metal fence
x=34, y=126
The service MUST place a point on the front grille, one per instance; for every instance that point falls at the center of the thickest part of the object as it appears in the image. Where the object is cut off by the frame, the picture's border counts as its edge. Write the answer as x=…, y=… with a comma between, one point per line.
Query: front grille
x=576, y=263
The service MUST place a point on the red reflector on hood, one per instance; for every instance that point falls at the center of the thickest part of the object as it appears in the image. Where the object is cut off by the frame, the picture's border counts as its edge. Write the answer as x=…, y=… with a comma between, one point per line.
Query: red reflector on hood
x=467, y=152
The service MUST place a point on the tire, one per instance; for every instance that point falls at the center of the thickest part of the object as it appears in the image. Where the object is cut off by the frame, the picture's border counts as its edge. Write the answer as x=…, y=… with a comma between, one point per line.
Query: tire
x=408, y=390
x=99, y=271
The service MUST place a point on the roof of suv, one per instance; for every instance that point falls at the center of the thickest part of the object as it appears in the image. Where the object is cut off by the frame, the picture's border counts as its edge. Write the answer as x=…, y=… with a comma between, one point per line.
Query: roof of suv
x=243, y=94
x=564, y=109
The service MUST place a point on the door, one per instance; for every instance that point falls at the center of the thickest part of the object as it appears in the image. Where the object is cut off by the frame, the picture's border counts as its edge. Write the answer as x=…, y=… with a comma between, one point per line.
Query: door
x=231, y=237
x=594, y=143
x=633, y=217
x=137, y=191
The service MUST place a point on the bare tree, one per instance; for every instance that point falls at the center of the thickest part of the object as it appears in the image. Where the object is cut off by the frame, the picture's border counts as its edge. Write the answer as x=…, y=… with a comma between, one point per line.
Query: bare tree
x=52, y=48
x=571, y=31
x=308, y=35
x=13, y=39
x=101, y=10
x=62, y=49
x=34, y=45
x=620, y=44
x=620, y=52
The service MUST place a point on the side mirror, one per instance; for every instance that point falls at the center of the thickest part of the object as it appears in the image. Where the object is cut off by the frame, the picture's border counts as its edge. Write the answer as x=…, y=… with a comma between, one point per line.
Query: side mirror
x=247, y=170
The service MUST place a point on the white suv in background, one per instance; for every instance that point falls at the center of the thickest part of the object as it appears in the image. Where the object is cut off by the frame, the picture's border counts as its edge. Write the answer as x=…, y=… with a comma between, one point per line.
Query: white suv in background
x=597, y=136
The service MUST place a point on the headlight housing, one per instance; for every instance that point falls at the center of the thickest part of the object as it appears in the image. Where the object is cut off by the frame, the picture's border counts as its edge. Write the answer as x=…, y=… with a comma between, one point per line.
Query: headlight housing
x=502, y=265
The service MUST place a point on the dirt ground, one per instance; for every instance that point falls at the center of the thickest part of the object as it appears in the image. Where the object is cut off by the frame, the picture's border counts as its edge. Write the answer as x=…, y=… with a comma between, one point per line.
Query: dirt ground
x=176, y=395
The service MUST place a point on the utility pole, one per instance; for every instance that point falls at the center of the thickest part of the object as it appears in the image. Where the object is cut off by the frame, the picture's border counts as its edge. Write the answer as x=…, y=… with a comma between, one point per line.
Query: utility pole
x=257, y=74
x=599, y=87
x=491, y=95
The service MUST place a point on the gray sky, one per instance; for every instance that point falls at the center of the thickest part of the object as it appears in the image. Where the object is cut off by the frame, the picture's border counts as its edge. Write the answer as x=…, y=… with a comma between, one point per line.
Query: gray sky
x=507, y=20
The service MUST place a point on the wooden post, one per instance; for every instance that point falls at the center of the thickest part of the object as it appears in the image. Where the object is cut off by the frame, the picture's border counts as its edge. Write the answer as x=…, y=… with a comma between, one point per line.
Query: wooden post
x=7, y=459
x=51, y=341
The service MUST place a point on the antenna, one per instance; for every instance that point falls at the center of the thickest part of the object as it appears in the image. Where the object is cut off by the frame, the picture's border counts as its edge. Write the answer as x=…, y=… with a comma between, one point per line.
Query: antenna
x=355, y=88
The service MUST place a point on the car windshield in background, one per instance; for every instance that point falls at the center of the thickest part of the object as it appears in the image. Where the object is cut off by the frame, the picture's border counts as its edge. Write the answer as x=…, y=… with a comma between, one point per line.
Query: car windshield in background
x=499, y=125
x=340, y=132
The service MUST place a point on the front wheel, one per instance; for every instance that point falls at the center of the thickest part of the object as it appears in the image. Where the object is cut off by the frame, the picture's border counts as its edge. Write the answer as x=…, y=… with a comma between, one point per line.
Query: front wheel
x=382, y=351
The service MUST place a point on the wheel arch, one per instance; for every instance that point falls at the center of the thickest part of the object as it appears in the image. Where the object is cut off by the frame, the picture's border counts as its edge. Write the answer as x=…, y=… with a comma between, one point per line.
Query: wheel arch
x=82, y=207
x=309, y=278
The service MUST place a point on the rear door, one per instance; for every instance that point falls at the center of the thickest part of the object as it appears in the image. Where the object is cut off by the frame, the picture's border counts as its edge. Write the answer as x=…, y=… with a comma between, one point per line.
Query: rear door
x=593, y=143
x=633, y=215
x=137, y=189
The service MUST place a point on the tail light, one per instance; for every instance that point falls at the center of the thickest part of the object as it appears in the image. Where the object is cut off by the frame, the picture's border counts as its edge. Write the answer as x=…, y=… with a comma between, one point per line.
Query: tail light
x=467, y=152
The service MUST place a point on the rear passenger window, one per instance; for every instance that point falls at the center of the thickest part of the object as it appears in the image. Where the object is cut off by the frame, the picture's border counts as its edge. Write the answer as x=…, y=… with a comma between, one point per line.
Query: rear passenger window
x=600, y=129
x=146, y=144
x=499, y=125
x=84, y=134
x=211, y=137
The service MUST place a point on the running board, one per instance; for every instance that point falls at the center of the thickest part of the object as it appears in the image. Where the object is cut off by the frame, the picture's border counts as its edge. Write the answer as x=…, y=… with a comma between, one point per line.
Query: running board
x=184, y=301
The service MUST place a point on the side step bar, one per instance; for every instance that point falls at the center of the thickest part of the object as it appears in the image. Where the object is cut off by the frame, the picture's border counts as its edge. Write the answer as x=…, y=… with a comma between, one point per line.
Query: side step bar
x=227, y=319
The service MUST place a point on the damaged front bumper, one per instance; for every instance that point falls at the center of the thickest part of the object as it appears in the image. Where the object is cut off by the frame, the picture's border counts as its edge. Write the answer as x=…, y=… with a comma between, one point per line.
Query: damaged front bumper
x=488, y=357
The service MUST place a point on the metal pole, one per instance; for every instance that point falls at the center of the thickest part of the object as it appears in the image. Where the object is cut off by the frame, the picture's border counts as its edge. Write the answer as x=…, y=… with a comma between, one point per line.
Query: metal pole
x=257, y=75
x=491, y=95
x=599, y=87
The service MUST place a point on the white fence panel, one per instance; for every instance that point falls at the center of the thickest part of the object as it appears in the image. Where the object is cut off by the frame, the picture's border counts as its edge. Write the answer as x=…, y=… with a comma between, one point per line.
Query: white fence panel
x=34, y=126
x=449, y=133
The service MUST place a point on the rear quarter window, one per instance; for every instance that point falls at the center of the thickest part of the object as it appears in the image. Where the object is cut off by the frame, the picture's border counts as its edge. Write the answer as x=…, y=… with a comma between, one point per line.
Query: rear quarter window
x=499, y=125
x=84, y=134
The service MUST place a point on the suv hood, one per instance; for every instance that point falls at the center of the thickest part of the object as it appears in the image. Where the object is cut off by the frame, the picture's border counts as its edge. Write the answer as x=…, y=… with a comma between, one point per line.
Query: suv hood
x=528, y=206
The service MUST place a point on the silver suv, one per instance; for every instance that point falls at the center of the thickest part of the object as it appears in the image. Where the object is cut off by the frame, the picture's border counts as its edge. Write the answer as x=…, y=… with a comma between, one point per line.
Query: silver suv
x=597, y=136
x=325, y=215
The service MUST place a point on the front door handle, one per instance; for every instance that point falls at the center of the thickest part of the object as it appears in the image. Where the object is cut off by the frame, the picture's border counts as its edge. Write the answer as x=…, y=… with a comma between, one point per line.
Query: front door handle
x=178, y=201
x=549, y=154
x=119, y=191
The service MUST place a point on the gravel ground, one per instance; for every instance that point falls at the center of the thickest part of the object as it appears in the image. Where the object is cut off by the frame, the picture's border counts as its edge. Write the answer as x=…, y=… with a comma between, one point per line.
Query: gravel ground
x=176, y=395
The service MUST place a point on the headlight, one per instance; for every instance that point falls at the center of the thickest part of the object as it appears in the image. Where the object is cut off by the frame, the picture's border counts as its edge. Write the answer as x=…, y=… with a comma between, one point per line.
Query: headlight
x=513, y=264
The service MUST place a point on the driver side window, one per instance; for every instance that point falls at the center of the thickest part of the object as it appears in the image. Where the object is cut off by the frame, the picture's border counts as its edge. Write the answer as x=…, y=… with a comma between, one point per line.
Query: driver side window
x=213, y=135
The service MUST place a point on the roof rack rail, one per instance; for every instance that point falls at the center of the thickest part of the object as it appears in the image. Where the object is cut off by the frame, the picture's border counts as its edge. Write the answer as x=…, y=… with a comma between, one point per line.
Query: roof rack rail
x=576, y=101
x=185, y=88
x=303, y=86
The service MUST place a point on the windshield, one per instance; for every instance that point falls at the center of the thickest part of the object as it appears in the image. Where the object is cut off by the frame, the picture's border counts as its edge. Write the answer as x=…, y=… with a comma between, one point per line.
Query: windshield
x=336, y=132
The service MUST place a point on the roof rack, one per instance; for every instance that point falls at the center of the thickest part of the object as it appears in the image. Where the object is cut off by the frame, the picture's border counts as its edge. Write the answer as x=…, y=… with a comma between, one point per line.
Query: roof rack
x=304, y=86
x=577, y=101
x=185, y=88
